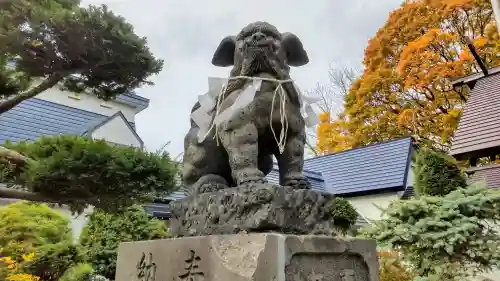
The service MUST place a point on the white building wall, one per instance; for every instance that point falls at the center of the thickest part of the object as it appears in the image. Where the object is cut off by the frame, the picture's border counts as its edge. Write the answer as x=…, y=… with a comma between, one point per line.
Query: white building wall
x=87, y=102
x=116, y=131
x=78, y=222
x=410, y=178
x=368, y=206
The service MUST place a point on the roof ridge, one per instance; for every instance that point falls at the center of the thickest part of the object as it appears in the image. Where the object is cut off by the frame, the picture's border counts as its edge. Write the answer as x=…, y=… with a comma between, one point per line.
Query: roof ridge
x=410, y=138
x=37, y=100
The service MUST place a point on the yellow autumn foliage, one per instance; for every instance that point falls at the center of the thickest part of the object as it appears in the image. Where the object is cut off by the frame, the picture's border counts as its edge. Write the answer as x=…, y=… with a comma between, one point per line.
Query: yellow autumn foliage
x=391, y=267
x=330, y=135
x=13, y=270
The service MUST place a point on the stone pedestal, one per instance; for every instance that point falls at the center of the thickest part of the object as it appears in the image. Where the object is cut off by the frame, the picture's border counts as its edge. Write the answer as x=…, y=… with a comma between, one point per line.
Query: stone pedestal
x=253, y=208
x=248, y=257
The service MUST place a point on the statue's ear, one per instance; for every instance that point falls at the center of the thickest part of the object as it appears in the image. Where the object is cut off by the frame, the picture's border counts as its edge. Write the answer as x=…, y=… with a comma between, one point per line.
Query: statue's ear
x=224, y=54
x=295, y=53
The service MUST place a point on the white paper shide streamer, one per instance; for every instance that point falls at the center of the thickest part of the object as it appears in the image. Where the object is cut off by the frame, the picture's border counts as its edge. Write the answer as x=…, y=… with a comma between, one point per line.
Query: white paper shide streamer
x=210, y=104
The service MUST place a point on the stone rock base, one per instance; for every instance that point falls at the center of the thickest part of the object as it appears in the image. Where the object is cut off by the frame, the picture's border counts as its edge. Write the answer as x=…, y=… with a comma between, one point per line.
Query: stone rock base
x=252, y=208
x=248, y=257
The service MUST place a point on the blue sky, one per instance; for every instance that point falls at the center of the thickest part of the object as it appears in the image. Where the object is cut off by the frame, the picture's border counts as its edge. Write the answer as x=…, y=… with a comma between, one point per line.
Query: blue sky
x=185, y=34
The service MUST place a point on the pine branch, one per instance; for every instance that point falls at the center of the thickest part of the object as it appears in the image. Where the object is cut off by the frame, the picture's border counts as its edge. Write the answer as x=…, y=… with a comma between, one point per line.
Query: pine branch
x=13, y=157
x=24, y=195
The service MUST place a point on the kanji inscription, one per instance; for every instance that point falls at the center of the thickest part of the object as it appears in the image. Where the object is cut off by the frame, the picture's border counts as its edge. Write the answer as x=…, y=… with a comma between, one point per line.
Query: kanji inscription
x=192, y=271
x=146, y=268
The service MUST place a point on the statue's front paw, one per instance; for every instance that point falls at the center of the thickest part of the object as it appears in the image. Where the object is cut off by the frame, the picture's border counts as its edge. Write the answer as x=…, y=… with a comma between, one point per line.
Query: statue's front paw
x=298, y=183
x=211, y=187
x=209, y=183
x=252, y=180
x=251, y=177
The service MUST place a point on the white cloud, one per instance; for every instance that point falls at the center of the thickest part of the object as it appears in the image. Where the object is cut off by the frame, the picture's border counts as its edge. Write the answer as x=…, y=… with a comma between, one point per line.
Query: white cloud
x=185, y=34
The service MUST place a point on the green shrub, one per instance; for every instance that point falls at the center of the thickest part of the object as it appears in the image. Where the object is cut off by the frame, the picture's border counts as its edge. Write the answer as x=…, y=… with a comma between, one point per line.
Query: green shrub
x=51, y=261
x=445, y=238
x=436, y=173
x=82, y=272
x=80, y=172
x=104, y=232
x=343, y=213
x=26, y=226
x=79, y=272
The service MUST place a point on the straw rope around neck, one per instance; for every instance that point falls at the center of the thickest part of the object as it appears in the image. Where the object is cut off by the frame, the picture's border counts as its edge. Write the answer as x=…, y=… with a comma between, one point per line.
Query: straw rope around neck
x=279, y=91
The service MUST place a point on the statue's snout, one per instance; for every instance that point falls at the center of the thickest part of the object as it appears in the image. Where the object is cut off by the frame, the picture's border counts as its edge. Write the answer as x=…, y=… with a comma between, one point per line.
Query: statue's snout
x=258, y=36
x=258, y=42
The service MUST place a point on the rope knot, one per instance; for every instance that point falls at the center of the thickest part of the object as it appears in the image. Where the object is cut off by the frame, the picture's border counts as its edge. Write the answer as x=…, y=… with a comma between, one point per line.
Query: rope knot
x=244, y=99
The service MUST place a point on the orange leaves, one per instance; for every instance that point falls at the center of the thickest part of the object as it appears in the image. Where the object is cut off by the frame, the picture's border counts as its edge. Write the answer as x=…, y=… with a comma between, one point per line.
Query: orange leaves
x=480, y=42
x=419, y=47
x=403, y=25
x=465, y=55
x=409, y=65
x=428, y=58
x=406, y=117
x=450, y=6
x=457, y=3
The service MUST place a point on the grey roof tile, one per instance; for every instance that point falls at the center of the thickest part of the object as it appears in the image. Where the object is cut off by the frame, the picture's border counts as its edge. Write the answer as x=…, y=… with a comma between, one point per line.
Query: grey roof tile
x=489, y=174
x=273, y=177
x=314, y=178
x=478, y=133
x=176, y=195
x=365, y=169
x=34, y=118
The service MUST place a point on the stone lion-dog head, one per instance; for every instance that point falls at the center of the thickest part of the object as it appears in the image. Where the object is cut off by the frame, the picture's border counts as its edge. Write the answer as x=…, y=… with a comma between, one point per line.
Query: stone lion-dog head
x=260, y=47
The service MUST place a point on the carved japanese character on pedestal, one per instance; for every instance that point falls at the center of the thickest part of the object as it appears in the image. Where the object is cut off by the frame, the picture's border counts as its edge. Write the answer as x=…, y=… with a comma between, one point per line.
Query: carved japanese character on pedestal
x=192, y=271
x=146, y=268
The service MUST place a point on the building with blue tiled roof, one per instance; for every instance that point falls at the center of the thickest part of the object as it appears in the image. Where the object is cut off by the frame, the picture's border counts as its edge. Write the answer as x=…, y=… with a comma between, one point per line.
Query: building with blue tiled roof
x=34, y=118
x=366, y=170
x=370, y=177
x=55, y=112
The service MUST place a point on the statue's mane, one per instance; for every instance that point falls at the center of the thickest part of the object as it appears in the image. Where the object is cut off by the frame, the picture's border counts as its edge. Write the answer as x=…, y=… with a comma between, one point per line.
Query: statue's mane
x=261, y=26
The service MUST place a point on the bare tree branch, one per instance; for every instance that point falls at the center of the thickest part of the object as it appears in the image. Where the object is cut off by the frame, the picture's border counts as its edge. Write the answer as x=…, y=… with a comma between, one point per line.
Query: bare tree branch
x=312, y=148
x=342, y=78
x=332, y=93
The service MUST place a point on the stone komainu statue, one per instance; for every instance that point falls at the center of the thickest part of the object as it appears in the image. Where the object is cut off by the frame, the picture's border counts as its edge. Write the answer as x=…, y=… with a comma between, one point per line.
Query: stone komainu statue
x=242, y=149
